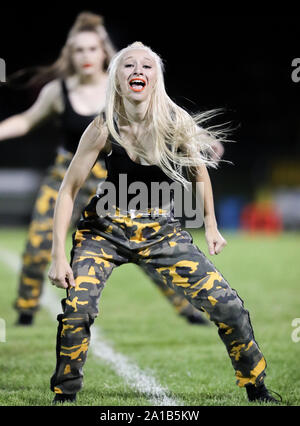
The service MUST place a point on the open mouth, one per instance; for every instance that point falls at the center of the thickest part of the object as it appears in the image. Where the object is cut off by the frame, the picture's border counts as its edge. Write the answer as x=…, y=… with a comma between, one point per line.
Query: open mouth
x=137, y=84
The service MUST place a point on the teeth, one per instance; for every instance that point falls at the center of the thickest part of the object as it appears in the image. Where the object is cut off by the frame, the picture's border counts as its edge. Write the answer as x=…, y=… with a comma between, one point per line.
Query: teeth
x=139, y=82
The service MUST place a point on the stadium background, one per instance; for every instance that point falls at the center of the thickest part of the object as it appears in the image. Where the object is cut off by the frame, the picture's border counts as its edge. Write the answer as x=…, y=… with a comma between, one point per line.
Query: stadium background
x=240, y=63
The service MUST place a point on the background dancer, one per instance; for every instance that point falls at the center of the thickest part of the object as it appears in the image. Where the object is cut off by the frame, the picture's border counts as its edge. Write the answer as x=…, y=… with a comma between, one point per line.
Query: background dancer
x=75, y=95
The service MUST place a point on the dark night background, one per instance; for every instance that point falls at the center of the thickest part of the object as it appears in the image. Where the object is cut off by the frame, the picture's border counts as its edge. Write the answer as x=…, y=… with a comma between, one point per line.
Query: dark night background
x=240, y=63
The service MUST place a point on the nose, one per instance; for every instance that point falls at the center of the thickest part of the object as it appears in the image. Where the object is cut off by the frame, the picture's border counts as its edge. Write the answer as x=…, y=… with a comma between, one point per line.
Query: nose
x=85, y=56
x=138, y=70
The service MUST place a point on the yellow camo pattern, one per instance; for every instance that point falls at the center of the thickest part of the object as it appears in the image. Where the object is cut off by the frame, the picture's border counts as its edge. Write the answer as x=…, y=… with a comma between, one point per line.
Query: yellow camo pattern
x=167, y=255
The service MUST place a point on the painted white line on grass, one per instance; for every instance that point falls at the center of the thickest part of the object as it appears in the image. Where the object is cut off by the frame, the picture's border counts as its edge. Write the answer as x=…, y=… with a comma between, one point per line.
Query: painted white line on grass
x=122, y=366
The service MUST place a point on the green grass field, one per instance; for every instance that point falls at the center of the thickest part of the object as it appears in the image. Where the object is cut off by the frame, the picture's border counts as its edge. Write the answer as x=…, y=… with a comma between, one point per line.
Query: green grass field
x=188, y=360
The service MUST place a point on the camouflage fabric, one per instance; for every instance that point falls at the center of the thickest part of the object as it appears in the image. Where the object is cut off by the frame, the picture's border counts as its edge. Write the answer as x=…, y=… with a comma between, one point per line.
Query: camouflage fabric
x=167, y=254
x=37, y=253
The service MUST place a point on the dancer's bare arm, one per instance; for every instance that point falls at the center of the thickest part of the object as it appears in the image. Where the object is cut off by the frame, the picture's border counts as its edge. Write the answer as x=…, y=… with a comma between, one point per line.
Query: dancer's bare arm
x=214, y=239
x=45, y=105
x=91, y=143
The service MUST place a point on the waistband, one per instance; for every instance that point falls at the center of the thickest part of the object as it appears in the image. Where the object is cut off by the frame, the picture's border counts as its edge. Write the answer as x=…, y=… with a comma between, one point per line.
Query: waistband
x=133, y=214
x=94, y=212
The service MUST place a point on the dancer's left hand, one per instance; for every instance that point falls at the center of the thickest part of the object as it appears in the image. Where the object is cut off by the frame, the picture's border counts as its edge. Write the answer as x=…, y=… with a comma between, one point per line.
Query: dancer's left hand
x=214, y=240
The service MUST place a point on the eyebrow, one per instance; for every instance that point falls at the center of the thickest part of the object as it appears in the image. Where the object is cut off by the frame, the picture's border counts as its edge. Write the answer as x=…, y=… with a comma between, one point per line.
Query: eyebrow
x=131, y=57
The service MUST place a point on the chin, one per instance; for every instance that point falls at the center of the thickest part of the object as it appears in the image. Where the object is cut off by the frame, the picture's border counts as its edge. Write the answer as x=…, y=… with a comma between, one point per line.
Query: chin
x=87, y=71
x=138, y=96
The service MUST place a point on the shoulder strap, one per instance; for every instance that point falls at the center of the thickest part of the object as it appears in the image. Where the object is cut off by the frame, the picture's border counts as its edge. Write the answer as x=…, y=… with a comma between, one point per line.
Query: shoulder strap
x=64, y=87
x=65, y=93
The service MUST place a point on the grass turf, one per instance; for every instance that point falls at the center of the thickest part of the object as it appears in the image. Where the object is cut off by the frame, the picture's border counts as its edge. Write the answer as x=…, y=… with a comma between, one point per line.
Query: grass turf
x=189, y=360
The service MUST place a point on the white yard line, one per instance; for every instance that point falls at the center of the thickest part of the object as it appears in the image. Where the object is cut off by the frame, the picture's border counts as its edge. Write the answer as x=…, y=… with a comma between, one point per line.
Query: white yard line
x=120, y=364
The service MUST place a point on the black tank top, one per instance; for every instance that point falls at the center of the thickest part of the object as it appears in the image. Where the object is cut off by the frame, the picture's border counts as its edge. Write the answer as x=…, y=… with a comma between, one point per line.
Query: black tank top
x=119, y=163
x=72, y=124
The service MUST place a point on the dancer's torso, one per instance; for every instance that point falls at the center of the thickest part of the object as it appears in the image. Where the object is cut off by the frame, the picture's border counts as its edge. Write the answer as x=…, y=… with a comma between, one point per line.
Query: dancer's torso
x=124, y=173
x=72, y=123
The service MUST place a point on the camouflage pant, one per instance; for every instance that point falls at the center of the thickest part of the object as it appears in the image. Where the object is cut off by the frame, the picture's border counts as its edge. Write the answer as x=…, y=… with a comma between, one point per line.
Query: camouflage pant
x=167, y=254
x=37, y=253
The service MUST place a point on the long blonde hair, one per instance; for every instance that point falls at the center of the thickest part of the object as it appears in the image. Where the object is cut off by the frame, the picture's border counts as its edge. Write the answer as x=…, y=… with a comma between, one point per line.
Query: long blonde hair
x=180, y=139
x=63, y=66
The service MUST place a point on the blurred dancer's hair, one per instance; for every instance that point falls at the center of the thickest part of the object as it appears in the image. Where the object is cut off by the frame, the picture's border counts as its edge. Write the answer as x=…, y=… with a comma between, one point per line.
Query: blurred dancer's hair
x=63, y=66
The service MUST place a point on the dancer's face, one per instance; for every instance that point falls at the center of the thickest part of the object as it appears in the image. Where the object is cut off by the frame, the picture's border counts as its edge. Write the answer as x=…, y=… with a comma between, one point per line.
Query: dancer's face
x=137, y=74
x=88, y=55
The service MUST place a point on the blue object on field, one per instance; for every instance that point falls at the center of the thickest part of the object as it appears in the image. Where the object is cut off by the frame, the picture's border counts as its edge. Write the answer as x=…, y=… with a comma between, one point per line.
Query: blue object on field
x=229, y=212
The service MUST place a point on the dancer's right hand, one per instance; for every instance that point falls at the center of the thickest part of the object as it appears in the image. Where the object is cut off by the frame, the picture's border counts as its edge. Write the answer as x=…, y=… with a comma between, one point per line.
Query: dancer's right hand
x=60, y=273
